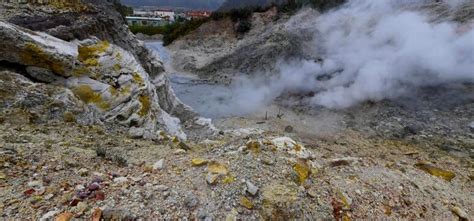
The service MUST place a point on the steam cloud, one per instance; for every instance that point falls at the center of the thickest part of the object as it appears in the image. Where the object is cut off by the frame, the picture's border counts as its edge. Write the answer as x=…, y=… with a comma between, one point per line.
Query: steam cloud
x=372, y=50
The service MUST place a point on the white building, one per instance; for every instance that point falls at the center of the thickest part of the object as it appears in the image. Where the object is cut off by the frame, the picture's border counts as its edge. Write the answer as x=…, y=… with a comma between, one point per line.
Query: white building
x=165, y=14
x=139, y=13
x=145, y=21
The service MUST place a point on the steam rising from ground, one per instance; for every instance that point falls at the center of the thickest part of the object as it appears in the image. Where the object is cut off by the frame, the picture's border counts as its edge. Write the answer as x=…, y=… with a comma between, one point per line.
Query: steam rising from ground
x=372, y=50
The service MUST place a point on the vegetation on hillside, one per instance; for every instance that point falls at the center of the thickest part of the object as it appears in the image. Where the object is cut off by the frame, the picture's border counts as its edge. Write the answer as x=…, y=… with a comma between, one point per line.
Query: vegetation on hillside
x=240, y=16
x=122, y=9
x=171, y=31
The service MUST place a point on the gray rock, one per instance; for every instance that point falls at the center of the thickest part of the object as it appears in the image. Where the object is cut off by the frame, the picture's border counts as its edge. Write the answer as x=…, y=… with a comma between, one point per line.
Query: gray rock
x=191, y=200
x=136, y=132
x=120, y=180
x=107, y=89
x=251, y=188
x=159, y=165
x=161, y=188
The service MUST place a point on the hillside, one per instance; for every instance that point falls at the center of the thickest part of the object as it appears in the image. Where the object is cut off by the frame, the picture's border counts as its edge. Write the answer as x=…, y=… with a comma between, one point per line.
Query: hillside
x=191, y=4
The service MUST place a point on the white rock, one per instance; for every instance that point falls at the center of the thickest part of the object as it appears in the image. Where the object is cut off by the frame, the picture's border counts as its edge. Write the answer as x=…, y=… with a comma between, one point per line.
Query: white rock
x=471, y=125
x=179, y=151
x=160, y=164
x=136, y=132
x=80, y=187
x=284, y=142
x=35, y=184
x=161, y=188
x=121, y=179
x=83, y=172
x=49, y=215
x=251, y=188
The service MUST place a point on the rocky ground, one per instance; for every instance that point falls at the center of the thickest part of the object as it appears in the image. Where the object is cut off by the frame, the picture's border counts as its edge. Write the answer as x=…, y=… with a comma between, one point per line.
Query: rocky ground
x=401, y=159
x=61, y=170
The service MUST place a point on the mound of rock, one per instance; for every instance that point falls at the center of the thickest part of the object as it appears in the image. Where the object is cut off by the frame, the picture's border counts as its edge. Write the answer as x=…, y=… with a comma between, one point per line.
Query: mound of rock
x=218, y=52
x=80, y=56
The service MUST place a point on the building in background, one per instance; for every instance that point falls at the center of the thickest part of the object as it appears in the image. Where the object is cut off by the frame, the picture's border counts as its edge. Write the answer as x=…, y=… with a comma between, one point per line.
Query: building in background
x=145, y=21
x=198, y=14
x=165, y=14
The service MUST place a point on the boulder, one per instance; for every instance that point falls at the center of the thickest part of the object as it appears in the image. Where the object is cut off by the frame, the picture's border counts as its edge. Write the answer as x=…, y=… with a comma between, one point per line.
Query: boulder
x=99, y=76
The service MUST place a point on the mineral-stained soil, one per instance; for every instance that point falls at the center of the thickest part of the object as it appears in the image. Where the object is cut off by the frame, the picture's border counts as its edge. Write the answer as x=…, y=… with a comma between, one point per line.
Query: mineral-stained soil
x=63, y=169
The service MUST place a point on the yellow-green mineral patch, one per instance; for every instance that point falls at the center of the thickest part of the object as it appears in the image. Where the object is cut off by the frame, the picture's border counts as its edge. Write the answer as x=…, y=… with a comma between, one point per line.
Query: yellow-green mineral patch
x=435, y=171
x=137, y=78
x=33, y=55
x=89, y=96
x=89, y=54
x=146, y=105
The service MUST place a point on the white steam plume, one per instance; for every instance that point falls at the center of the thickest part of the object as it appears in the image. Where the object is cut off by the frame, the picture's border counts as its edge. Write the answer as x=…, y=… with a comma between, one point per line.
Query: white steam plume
x=373, y=50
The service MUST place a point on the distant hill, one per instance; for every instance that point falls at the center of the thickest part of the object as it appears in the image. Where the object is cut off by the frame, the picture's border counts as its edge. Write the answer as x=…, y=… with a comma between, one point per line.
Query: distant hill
x=319, y=4
x=191, y=4
x=231, y=4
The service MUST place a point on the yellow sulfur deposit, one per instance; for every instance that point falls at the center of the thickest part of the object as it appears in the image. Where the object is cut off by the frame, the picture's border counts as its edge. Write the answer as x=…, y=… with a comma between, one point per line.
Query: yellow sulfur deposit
x=198, y=162
x=447, y=175
x=33, y=55
x=245, y=202
x=217, y=168
x=302, y=170
x=86, y=94
x=146, y=105
x=89, y=54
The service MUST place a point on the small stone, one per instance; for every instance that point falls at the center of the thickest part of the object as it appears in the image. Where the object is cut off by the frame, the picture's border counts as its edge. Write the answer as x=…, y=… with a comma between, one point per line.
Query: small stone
x=161, y=188
x=212, y=178
x=64, y=217
x=160, y=164
x=459, y=212
x=251, y=188
x=136, y=179
x=117, y=214
x=99, y=195
x=35, y=184
x=136, y=132
x=29, y=191
x=191, y=200
x=312, y=193
x=253, y=146
x=96, y=215
x=120, y=180
x=217, y=168
x=74, y=202
x=232, y=216
x=198, y=162
x=183, y=146
x=2, y=176
x=79, y=187
x=345, y=161
x=81, y=207
x=82, y=194
x=49, y=215
x=245, y=202
x=302, y=171
x=93, y=186
x=471, y=125
x=268, y=161
x=179, y=151
x=83, y=172
x=49, y=196
x=289, y=129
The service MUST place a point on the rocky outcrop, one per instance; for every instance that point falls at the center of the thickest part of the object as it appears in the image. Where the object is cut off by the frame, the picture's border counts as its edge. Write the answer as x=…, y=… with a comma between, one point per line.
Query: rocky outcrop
x=85, y=46
x=80, y=19
x=217, y=52
x=102, y=75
